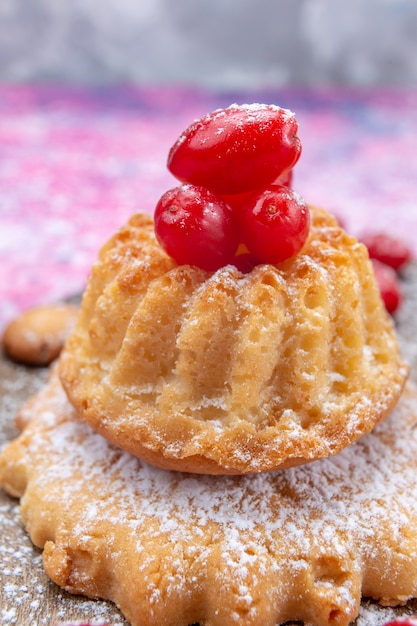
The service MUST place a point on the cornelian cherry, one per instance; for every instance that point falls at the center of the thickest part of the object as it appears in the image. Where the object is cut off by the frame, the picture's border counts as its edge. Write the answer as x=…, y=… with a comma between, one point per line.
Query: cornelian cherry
x=238, y=200
x=275, y=224
x=389, y=285
x=196, y=227
x=387, y=249
x=238, y=149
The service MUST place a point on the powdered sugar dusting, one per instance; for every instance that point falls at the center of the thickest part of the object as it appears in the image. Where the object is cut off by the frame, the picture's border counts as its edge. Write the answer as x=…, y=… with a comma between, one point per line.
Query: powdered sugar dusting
x=352, y=493
x=351, y=490
x=25, y=590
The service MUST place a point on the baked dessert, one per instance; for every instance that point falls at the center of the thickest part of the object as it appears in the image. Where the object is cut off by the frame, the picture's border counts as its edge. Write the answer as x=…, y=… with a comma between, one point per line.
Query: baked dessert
x=174, y=548
x=194, y=360
x=227, y=372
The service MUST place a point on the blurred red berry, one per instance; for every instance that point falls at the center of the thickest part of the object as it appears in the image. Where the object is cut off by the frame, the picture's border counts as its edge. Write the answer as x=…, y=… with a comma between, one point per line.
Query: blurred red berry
x=389, y=285
x=387, y=249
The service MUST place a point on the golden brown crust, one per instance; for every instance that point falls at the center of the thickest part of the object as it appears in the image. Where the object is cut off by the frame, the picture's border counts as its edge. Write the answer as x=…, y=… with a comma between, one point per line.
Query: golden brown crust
x=175, y=549
x=232, y=373
x=38, y=335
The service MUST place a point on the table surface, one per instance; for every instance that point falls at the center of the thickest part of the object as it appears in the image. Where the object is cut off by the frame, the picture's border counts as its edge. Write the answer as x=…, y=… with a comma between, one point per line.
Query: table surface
x=75, y=163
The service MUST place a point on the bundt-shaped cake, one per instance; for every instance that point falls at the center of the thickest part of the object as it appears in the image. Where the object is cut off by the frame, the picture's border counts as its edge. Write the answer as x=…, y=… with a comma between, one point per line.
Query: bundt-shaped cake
x=227, y=372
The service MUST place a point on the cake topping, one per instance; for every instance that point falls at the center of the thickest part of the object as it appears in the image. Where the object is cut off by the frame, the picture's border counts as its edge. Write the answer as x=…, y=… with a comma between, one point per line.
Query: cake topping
x=196, y=226
x=237, y=149
x=236, y=164
x=275, y=224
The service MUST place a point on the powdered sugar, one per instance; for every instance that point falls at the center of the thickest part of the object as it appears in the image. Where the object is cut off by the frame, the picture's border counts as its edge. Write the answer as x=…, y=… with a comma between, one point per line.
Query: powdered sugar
x=353, y=493
x=26, y=593
x=25, y=590
x=349, y=495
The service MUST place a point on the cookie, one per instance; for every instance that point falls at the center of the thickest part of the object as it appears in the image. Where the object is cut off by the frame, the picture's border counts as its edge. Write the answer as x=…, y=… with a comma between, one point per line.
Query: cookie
x=227, y=372
x=172, y=548
x=38, y=335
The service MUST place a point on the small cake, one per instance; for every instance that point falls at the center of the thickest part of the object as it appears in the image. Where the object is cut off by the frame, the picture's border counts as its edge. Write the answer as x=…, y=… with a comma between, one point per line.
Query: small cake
x=241, y=331
x=228, y=372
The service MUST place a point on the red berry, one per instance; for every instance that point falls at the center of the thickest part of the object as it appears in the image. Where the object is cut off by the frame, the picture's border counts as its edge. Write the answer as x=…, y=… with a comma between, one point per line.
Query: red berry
x=238, y=200
x=237, y=149
x=275, y=224
x=387, y=249
x=196, y=227
x=388, y=284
